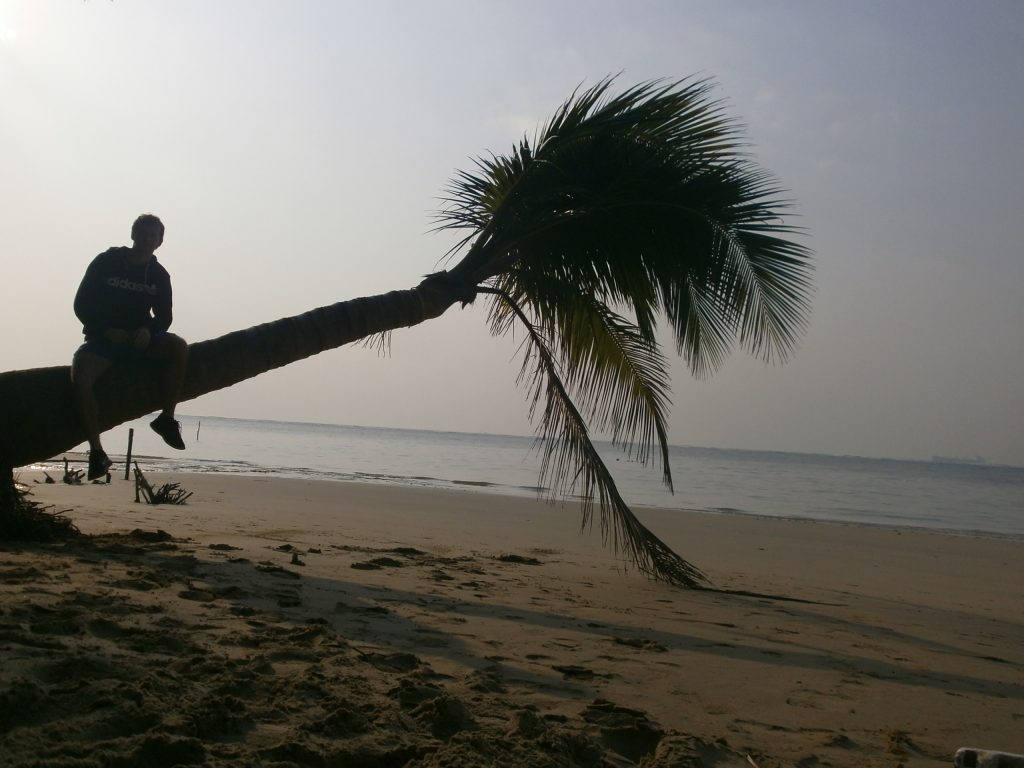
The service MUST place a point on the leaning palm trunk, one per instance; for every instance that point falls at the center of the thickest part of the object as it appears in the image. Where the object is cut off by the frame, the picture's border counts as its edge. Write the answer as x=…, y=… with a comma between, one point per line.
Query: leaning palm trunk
x=622, y=211
x=39, y=419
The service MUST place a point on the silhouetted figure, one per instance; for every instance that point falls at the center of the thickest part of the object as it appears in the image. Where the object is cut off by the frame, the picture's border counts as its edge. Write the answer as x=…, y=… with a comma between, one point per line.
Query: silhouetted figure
x=124, y=303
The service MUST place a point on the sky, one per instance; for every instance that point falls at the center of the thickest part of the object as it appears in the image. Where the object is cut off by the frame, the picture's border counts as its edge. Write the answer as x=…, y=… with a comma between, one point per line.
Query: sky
x=297, y=152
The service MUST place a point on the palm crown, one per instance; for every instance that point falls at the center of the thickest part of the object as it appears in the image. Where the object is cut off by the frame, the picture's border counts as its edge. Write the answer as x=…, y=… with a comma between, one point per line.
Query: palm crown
x=624, y=210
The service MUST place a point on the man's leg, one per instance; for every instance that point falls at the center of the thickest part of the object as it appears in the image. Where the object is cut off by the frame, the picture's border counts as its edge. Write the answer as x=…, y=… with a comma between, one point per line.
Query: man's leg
x=172, y=351
x=86, y=369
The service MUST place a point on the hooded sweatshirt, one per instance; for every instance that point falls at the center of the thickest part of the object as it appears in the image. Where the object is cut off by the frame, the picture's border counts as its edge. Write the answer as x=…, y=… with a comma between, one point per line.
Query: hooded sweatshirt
x=117, y=294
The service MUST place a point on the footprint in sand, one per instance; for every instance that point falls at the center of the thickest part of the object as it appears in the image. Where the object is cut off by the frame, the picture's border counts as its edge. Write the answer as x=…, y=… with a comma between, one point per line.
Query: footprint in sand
x=392, y=662
x=576, y=672
x=139, y=584
x=288, y=599
x=640, y=642
x=22, y=576
x=627, y=731
x=486, y=680
x=368, y=610
x=197, y=593
x=519, y=559
x=277, y=570
x=377, y=563
x=446, y=715
x=106, y=629
x=53, y=624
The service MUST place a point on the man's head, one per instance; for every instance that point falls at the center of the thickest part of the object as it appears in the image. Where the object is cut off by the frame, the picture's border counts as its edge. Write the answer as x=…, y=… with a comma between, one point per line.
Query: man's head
x=147, y=232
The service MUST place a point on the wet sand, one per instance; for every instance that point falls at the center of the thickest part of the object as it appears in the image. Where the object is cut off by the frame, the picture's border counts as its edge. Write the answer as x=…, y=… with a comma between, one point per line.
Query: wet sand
x=274, y=622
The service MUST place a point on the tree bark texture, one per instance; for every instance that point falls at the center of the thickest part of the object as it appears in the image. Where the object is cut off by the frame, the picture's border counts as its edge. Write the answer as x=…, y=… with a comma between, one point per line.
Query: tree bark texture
x=39, y=418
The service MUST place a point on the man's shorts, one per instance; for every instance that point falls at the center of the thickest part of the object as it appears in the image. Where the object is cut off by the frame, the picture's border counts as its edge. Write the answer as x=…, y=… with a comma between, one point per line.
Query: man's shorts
x=118, y=353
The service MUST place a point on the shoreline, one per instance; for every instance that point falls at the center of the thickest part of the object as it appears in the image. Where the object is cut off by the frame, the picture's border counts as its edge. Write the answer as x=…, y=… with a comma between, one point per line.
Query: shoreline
x=444, y=627
x=488, y=489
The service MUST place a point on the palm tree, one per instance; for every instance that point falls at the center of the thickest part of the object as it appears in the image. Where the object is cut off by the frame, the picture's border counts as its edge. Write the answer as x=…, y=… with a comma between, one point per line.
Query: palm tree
x=624, y=210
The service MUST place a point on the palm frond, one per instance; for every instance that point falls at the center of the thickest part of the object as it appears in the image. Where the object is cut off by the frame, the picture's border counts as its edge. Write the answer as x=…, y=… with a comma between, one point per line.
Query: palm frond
x=571, y=464
x=610, y=367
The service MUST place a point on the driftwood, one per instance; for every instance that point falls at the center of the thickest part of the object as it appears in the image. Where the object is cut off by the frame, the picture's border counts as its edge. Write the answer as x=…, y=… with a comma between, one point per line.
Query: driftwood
x=72, y=476
x=168, y=493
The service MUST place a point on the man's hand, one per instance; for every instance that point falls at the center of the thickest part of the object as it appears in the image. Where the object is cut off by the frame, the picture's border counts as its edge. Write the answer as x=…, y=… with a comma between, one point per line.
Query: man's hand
x=117, y=335
x=141, y=338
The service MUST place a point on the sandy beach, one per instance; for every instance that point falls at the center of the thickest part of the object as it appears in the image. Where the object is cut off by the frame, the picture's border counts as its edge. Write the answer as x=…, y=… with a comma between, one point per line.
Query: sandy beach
x=275, y=622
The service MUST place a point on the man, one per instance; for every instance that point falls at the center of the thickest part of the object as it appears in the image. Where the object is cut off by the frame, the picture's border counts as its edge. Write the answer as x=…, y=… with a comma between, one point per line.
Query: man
x=124, y=303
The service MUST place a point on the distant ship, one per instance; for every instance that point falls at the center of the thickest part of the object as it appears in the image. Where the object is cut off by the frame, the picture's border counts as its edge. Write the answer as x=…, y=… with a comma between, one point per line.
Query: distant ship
x=959, y=460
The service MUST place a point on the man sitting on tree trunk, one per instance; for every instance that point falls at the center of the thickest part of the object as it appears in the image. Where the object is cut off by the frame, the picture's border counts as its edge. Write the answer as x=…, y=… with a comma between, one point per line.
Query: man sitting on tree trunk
x=124, y=303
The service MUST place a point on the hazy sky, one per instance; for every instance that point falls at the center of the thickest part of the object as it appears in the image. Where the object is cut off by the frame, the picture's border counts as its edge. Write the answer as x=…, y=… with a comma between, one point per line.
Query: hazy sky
x=296, y=152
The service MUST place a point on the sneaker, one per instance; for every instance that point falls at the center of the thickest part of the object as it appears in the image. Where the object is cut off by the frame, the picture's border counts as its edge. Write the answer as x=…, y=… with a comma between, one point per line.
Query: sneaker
x=169, y=430
x=98, y=465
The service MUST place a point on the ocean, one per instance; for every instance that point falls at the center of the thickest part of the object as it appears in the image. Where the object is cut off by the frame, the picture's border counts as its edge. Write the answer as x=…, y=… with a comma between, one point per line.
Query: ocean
x=938, y=495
